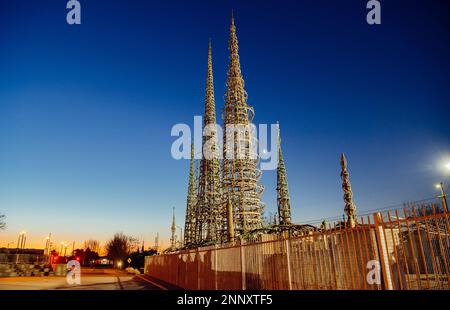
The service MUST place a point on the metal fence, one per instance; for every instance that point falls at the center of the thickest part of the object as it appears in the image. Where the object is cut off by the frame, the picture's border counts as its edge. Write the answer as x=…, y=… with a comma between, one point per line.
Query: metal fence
x=407, y=248
x=6, y=258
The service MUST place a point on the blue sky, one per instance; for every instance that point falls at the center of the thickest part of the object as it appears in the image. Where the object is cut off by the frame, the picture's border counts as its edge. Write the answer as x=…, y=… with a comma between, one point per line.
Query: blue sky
x=86, y=110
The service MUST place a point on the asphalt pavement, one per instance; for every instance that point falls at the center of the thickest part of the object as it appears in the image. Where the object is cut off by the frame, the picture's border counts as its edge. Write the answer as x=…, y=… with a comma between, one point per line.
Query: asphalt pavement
x=91, y=279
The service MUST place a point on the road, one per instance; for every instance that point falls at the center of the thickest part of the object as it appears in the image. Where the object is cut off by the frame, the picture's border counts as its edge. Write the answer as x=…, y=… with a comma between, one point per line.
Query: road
x=91, y=279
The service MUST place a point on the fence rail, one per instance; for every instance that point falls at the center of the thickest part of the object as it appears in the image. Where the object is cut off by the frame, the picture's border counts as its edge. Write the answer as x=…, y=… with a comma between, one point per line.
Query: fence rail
x=19, y=258
x=398, y=249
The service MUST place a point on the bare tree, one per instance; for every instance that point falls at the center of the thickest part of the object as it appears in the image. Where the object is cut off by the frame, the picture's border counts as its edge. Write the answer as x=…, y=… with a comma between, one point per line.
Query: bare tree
x=2, y=221
x=119, y=247
x=93, y=245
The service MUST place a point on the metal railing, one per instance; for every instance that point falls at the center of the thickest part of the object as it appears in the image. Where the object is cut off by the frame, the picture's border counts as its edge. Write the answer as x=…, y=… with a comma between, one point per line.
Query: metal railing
x=406, y=248
x=6, y=258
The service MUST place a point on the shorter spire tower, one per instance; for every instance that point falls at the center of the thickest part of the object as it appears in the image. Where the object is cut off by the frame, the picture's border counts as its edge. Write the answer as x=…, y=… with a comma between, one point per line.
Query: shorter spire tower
x=208, y=225
x=191, y=214
x=173, y=228
x=283, y=199
x=350, y=208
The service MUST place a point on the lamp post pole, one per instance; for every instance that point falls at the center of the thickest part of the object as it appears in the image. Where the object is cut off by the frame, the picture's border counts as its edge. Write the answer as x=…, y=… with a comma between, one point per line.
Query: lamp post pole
x=20, y=244
x=443, y=195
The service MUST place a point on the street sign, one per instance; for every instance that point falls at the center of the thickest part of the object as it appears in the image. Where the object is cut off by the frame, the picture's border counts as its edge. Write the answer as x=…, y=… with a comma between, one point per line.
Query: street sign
x=129, y=260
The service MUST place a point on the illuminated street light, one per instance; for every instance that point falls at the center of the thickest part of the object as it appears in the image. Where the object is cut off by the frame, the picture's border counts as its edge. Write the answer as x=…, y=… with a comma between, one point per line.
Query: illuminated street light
x=119, y=264
x=447, y=165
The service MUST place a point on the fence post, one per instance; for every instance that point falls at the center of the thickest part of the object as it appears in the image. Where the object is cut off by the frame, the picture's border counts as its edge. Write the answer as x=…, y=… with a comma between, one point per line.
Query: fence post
x=215, y=268
x=383, y=252
x=242, y=263
x=288, y=261
x=198, y=269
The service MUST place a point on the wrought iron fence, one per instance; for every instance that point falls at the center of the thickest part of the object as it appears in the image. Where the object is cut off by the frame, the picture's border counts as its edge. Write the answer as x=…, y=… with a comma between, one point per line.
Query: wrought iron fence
x=405, y=248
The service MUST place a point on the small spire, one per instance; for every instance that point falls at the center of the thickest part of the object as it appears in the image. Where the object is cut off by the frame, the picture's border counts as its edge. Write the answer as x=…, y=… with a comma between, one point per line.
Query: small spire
x=350, y=208
x=232, y=17
x=343, y=161
x=174, y=226
x=189, y=229
x=210, y=105
x=283, y=198
x=173, y=238
x=278, y=134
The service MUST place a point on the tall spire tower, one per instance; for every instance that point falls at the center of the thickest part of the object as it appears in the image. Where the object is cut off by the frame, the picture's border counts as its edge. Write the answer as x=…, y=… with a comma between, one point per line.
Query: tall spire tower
x=239, y=166
x=208, y=204
x=173, y=228
x=283, y=199
x=191, y=212
x=350, y=208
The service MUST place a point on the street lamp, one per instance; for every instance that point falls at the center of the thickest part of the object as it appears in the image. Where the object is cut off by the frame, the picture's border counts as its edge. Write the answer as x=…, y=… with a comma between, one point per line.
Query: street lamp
x=443, y=195
x=20, y=240
x=20, y=243
x=47, y=245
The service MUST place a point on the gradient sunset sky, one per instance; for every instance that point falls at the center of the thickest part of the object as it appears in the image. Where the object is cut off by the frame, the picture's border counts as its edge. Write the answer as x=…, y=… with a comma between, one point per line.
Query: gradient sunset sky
x=86, y=110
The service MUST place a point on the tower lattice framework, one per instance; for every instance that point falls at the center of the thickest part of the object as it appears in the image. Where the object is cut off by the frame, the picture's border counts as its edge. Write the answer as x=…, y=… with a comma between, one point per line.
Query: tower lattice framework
x=283, y=198
x=240, y=174
x=208, y=222
x=191, y=212
x=173, y=228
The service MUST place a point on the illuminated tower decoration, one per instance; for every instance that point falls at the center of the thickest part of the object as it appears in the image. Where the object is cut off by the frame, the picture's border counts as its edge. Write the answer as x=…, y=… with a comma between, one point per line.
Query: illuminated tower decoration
x=239, y=166
x=208, y=222
x=350, y=208
x=173, y=238
x=191, y=214
x=283, y=199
